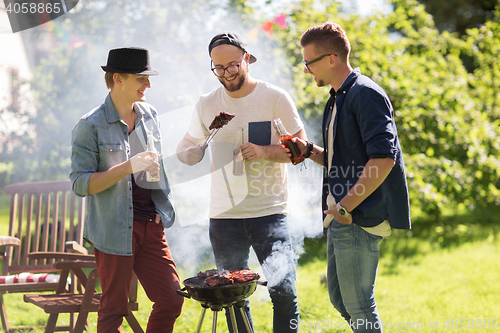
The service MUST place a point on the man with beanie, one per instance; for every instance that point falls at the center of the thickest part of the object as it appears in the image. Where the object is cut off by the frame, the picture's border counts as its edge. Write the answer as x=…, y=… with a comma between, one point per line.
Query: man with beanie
x=248, y=210
x=126, y=214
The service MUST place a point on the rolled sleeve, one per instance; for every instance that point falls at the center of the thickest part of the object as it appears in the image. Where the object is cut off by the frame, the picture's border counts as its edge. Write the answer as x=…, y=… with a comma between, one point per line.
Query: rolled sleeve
x=196, y=128
x=376, y=123
x=288, y=113
x=84, y=156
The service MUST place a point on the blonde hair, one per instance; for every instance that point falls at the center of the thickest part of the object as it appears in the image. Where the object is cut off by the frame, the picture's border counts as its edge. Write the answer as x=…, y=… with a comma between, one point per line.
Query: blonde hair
x=110, y=82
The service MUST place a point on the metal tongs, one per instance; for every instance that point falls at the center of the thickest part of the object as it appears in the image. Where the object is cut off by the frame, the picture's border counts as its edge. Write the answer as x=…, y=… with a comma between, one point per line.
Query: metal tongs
x=204, y=145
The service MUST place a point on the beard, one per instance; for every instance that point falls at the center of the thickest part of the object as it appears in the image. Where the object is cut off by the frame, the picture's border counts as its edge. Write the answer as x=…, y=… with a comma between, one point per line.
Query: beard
x=320, y=83
x=233, y=86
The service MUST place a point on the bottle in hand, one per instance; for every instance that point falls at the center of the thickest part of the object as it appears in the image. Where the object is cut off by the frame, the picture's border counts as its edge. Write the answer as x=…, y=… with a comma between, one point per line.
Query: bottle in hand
x=286, y=142
x=238, y=161
x=152, y=176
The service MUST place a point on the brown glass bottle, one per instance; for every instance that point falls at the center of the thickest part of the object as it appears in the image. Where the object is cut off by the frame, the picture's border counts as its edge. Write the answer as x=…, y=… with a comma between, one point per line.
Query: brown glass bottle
x=286, y=142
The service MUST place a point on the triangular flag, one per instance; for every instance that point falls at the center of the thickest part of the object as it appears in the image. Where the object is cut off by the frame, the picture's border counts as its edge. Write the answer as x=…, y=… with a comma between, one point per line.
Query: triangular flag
x=253, y=35
x=268, y=27
x=75, y=42
x=281, y=21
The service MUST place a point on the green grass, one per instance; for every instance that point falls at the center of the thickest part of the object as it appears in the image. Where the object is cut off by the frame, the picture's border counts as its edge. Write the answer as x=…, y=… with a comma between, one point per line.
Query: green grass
x=435, y=275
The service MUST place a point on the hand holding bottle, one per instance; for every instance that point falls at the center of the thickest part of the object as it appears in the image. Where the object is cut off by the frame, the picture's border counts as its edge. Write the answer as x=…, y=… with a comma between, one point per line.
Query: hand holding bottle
x=145, y=161
x=301, y=145
x=286, y=142
x=252, y=152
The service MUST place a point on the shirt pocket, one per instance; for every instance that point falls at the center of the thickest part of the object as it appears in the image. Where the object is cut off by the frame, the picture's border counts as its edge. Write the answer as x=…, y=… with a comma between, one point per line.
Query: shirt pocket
x=110, y=155
x=259, y=133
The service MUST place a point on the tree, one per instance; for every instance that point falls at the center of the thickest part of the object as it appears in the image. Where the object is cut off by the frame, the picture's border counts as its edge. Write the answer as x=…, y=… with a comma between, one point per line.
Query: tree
x=460, y=15
x=447, y=130
x=67, y=83
x=448, y=118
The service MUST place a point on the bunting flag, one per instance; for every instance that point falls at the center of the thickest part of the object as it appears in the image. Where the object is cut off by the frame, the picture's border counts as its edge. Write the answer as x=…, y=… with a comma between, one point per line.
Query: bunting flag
x=75, y=42
x=268, y=27
x=253, y=35
x=279, y=20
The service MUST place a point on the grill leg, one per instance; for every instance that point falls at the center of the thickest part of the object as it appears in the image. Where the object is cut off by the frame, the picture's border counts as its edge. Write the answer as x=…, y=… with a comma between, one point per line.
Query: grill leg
x=246, y=321
x=233, y=319
x=202, y=316
x=214, y=322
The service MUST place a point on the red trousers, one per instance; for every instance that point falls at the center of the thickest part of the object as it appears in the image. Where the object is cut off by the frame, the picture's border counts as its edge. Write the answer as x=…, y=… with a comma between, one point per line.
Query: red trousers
x=153, y=264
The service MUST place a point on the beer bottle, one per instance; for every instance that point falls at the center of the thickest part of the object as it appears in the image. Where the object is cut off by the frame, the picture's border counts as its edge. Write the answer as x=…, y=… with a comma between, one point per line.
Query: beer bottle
x=238, y=161
x=286, y=142
x=152, y=176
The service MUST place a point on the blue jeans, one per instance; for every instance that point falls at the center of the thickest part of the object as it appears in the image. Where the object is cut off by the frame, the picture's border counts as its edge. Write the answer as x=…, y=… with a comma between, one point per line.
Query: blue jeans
x=268, y=235
x=353, y=256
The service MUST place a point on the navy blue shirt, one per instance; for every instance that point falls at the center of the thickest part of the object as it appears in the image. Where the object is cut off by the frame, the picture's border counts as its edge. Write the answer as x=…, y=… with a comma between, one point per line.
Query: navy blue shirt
x=364, y=128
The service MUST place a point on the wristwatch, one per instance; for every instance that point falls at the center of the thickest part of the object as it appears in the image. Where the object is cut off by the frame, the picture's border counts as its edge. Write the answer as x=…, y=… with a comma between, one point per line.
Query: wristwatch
x=309, y=150
x=342, y=211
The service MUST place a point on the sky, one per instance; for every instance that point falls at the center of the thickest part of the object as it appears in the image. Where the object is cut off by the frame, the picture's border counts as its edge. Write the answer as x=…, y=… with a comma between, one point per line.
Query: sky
x=363, y=7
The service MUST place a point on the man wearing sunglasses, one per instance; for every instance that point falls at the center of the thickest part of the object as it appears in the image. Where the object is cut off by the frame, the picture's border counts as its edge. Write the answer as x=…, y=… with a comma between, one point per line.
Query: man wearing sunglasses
x=248, y=210
x=365, y=190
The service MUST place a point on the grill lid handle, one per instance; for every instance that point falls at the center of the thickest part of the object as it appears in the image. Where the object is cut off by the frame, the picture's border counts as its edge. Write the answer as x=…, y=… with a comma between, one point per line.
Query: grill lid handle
x=185, y=294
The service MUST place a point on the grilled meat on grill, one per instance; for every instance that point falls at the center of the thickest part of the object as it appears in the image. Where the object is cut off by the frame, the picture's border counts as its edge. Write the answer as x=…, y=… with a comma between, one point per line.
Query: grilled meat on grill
x=244, y=275
x=234, y=276
x=206, y=274
x=219, y=280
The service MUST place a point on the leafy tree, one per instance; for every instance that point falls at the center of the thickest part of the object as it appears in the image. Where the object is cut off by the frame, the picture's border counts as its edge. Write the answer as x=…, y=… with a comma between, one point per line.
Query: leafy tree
x=448, y=118
x=67, y=83
x=448, y=130
x=460, y=15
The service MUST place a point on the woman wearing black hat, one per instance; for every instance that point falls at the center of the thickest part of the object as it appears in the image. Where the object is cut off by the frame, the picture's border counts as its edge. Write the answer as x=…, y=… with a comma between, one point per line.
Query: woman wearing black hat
x=109, y=162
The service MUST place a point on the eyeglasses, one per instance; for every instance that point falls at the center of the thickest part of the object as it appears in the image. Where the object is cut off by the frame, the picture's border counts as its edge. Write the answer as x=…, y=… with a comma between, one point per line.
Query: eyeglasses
x=306, y=64
x=231, y=69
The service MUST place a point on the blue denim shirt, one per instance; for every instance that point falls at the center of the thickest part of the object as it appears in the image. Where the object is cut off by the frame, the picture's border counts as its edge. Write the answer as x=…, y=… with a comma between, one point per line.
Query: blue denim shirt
x=364, y=128
x=99, y=141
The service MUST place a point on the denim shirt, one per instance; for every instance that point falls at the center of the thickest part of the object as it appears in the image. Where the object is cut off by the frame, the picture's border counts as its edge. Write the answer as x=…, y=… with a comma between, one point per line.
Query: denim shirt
x=364, y=128
x=99, y=141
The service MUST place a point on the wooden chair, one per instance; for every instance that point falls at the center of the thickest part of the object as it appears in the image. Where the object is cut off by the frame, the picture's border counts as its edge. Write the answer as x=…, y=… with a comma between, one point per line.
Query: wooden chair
x=48, y=218
x=43, y=216
x=81, y=303
x=9, y=241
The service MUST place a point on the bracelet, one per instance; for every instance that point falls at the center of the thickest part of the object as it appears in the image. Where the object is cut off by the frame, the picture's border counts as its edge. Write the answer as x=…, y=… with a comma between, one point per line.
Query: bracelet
x=309, y=150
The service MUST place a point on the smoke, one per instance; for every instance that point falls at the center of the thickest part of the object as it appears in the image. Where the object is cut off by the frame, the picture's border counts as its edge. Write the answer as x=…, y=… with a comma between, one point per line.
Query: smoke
x=188, y=238
x=178, y=40
x=277, y=266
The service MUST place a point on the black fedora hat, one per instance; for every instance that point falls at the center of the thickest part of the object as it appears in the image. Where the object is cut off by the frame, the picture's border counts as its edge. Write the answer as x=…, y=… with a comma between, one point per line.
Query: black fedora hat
x=132, y=60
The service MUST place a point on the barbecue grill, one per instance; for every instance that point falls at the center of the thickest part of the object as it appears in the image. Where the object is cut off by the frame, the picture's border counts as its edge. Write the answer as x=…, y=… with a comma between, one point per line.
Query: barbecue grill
x=220, y=297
